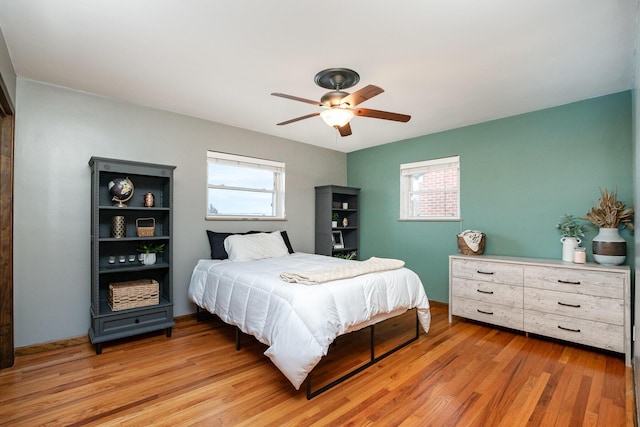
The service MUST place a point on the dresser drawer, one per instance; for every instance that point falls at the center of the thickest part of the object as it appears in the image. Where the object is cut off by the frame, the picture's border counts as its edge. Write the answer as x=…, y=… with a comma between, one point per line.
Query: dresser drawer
x=595, y=334
x=588, y=307
x=495, y=314
x=487, y=271
x=493, y=293
x=125, y=322
x=604, y=284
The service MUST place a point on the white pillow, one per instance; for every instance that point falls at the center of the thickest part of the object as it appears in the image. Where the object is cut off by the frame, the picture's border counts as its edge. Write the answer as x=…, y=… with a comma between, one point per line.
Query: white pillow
x=248, y=247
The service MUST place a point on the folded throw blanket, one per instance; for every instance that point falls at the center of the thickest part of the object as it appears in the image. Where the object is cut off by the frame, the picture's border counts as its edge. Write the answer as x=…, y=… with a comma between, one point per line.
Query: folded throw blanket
x=346, y=271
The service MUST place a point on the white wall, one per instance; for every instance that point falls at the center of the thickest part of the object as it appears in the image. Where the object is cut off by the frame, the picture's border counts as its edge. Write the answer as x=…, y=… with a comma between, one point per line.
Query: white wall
x=58, y=130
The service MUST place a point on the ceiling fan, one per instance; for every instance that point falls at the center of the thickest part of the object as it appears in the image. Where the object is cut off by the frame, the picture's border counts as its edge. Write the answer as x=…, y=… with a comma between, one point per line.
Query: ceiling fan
x=340, y=105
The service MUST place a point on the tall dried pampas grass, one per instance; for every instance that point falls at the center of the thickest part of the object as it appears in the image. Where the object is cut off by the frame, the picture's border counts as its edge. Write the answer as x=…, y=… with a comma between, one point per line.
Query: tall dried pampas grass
x=610, y=213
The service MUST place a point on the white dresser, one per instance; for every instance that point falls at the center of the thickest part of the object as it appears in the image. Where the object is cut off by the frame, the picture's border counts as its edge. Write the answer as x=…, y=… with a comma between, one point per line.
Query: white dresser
x=583, y=303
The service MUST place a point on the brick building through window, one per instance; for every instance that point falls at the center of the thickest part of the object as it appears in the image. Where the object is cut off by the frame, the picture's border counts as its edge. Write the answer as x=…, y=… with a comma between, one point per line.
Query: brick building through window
x=430, y=190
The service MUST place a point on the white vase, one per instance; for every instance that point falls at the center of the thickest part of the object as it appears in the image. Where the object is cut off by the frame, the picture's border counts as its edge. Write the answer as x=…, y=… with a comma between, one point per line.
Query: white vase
x=148, y=259
x=609, y=247
x=569, y=245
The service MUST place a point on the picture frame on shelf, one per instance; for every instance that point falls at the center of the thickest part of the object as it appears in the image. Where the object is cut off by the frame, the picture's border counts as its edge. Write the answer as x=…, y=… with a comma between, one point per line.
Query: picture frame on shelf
x=336, y=240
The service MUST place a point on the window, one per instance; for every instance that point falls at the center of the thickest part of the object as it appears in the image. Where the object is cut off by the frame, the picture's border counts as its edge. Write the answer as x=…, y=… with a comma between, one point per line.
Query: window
x=240, y=187
x=430, y=190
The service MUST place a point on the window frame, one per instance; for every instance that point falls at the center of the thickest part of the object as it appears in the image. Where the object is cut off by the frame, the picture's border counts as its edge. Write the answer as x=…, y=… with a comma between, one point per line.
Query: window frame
x=407, y=170
x=278, y=192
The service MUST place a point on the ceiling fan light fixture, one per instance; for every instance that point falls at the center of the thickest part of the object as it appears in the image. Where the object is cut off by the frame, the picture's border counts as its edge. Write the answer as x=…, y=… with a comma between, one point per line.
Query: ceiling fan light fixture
x=336, y=117
x=340, y=106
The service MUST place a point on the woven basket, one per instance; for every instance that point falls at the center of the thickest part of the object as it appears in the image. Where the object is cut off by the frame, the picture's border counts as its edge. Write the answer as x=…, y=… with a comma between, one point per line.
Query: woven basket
x=136, y=293
x=148, y=230
x=466, y=250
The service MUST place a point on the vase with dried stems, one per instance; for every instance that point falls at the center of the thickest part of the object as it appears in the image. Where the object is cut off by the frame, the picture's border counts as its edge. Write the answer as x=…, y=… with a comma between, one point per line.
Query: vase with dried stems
x=609, y=214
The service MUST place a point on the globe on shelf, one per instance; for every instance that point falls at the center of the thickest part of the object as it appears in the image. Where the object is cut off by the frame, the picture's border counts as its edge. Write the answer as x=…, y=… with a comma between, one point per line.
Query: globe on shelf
x=121, y=190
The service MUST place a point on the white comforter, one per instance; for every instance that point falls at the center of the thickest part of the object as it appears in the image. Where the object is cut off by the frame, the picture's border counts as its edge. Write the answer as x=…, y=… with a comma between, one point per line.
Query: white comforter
x=298, y=322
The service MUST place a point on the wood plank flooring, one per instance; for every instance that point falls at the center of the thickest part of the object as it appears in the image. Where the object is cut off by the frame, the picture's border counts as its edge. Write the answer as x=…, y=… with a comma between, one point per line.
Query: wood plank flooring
x=462, y=374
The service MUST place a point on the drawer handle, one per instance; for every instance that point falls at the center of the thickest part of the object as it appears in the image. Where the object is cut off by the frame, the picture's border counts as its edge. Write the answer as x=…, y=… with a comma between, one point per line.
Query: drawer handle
x=569, y=305
x=484, y=272
x=484, y=312
x=568, y=282
x=568, y=329
x=485, y=292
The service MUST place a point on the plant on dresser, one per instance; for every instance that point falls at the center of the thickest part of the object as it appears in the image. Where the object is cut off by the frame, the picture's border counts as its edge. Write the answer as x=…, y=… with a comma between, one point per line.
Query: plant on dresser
x=587, y=304
x=129, y=296
x=571, y=233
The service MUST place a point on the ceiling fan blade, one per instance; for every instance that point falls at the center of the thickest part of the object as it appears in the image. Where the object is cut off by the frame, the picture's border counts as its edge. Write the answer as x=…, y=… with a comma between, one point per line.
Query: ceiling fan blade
x=377, y=114
x=345, y=130
x=362, y=95
x=299, y=118
x=295, y=98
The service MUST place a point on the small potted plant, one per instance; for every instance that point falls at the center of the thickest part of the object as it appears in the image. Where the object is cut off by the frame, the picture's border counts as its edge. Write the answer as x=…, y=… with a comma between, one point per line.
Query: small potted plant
x=609, y=214
x=334, y=220
x=571, y=233
x=149, y=251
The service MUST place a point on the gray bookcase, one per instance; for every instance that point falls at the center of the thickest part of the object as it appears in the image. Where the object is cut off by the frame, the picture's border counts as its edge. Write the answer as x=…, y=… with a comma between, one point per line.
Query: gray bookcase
x=330, y=200
x=106, y=324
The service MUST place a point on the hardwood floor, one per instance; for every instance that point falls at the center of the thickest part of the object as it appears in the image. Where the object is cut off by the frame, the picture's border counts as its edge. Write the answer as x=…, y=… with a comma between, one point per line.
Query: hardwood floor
x=460, y=374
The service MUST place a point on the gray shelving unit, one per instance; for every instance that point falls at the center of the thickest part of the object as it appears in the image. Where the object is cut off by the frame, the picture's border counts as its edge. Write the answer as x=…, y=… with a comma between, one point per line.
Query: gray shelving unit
x=106, y=324
x=329, y=201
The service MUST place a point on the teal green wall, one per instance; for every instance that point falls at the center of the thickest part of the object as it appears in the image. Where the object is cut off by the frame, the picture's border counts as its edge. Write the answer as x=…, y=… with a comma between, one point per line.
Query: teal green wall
x=518, y=176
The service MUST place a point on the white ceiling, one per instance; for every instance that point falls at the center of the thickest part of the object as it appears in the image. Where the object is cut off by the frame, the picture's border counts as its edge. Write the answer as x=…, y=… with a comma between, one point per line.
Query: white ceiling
x=447, y=63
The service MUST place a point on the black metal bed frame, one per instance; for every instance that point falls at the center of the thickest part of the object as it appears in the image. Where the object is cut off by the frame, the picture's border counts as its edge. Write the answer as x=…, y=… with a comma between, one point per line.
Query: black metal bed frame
x=372, y=360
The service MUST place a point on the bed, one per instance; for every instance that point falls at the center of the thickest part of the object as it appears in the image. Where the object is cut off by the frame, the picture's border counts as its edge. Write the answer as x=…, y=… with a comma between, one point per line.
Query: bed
x=298, y=321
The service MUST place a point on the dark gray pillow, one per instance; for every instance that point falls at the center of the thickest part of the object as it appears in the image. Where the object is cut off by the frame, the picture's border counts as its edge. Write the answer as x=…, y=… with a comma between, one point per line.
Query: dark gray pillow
x=216, y=241
x=285, y=237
